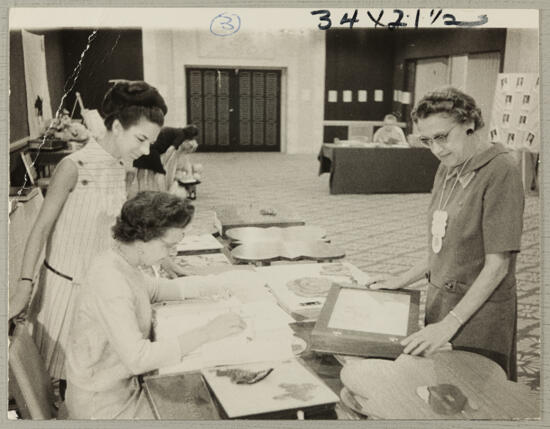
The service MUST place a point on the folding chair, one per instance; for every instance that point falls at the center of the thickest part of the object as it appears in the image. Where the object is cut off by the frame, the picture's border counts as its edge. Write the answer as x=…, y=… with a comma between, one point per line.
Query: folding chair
x=29, y=380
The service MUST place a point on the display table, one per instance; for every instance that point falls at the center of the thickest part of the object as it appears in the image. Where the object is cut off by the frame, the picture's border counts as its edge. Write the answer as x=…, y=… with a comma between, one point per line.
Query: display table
x=233, y=216
x=371, y=170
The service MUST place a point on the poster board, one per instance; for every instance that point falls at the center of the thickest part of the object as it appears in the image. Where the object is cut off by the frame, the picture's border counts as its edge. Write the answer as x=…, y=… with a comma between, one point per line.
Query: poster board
x=515, y=120
x=288, y=387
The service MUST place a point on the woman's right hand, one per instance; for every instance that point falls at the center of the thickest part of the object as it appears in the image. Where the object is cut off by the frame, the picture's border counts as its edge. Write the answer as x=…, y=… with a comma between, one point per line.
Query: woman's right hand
x=386, y=282
x=224, y=326
x=20, y=298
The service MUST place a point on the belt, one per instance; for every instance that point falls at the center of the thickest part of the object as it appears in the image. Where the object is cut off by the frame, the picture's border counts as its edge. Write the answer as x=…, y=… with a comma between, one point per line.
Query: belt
x=451, y=285
x=53, y=270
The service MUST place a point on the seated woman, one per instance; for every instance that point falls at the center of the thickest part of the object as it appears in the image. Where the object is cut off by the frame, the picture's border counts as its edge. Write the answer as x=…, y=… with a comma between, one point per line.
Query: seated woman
x=168, y=161
x=390, y=133
x=109, y=344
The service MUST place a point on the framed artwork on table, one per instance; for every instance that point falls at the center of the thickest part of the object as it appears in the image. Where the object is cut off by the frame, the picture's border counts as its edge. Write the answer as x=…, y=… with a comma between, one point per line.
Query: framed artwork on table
x=364, y=322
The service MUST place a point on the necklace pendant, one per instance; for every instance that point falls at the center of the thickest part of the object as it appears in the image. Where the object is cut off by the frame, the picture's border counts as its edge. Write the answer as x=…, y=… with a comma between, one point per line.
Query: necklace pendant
x=439, y=226
x=437, y=243
x=439, y=223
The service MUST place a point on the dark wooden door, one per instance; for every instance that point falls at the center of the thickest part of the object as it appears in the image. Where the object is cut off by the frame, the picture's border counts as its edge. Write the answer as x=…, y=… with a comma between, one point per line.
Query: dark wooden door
x=235, y=109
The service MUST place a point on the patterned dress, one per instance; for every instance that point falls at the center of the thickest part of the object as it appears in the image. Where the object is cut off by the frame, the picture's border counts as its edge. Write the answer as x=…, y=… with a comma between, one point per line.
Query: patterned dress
x=82, y=230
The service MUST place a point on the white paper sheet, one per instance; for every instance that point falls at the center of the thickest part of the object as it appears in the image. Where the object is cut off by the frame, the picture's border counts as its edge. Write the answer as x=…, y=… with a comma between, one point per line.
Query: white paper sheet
x=198, y=243
x=244, y=286
x=332, y=96
x=362, y=96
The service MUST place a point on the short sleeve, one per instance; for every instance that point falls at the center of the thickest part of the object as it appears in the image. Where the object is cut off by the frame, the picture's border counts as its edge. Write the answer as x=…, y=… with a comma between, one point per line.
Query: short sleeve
x=503, y=206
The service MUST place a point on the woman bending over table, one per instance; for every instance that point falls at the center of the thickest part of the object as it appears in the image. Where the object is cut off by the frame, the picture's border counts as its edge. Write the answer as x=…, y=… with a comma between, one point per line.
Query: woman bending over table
x=167, y=162
x=475, y=222
x=85, y=195
x=109, y=345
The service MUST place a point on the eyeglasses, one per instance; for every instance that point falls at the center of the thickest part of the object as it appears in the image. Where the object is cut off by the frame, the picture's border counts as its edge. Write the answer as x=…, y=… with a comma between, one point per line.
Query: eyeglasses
x=440, y=139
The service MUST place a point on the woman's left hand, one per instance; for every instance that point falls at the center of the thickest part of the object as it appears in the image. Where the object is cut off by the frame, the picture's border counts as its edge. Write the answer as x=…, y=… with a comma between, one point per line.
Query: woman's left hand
x=431, y=338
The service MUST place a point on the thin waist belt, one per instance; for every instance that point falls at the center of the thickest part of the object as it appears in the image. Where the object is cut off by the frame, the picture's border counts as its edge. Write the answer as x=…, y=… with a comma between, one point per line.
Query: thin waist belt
x=53, y=270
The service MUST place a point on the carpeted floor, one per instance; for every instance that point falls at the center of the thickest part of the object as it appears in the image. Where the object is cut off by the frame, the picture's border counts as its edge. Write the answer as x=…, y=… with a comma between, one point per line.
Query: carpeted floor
x=384, y=233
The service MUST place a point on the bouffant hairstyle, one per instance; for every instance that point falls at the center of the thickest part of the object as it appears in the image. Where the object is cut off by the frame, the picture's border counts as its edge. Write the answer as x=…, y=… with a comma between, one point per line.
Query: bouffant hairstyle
x=129, y=101
x=149, y=215
x=449, y=101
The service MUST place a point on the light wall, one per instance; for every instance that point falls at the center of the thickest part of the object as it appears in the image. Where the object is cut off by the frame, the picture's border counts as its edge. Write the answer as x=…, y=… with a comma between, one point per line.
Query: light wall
x=522, y=51
x=299, y=54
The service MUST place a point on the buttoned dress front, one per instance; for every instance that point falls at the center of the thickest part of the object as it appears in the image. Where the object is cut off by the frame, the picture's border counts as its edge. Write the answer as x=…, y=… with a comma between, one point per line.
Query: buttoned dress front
x=485, y=216
x=82, y=230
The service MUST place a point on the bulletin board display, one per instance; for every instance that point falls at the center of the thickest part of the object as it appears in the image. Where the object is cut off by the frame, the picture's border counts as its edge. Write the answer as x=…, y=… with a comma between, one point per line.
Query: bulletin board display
x=515, y=120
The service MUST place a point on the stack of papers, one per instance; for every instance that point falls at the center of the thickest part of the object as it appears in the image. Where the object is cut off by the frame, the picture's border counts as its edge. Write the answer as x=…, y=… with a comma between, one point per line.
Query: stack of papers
x=267, y=335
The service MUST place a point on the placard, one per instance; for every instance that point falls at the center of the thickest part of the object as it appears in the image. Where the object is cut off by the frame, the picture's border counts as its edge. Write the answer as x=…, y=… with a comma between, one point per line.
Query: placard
x=515, y=118
x=364, y=322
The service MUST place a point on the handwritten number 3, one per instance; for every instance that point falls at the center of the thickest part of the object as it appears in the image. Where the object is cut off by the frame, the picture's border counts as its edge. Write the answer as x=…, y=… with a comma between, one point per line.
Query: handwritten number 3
x=226, y=25
x=325, y=17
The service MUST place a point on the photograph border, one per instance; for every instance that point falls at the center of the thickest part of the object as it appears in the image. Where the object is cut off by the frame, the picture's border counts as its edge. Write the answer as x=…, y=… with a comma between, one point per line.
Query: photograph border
x=544, y=65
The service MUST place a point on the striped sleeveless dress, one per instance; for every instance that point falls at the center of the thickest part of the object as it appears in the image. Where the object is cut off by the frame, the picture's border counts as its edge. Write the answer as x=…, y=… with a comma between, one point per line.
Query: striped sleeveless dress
x=82, y=230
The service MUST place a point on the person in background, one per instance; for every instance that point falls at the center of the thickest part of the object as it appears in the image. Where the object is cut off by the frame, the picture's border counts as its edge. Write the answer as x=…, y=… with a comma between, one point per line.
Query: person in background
x=109, y=344
x=474, y=228
x=390, y=133
x=85, y=194
x=168, y=161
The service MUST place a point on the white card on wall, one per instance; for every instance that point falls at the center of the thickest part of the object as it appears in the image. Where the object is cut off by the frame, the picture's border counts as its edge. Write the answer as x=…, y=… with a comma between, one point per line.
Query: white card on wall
x=378, y=95
x=346, y=95
x=332, y=96
x=362, y=95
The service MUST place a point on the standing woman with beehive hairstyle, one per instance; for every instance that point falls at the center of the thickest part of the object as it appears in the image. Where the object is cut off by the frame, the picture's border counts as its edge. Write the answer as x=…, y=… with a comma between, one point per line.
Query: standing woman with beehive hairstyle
x=86, y=192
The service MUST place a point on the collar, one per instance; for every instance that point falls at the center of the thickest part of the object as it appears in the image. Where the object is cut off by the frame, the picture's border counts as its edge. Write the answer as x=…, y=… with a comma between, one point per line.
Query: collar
x=476, y=163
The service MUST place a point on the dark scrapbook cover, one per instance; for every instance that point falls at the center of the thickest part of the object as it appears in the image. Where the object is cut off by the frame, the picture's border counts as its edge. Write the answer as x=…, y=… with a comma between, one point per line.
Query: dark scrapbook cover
x=180, y=397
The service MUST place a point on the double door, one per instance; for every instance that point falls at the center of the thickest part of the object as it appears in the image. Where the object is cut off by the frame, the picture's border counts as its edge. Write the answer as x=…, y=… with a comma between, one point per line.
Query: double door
x=235, y=109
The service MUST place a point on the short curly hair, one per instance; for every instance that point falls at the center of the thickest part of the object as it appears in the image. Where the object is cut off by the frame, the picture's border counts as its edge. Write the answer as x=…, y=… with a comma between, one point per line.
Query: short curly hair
x=149, y=215
x=451, y=101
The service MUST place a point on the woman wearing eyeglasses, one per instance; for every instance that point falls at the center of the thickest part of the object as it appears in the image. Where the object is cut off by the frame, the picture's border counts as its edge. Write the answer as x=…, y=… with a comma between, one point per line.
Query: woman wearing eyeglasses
x=109, y=344
x=475, y=221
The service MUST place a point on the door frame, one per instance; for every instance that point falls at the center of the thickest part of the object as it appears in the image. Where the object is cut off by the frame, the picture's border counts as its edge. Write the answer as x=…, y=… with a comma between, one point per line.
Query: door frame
x=283, y=96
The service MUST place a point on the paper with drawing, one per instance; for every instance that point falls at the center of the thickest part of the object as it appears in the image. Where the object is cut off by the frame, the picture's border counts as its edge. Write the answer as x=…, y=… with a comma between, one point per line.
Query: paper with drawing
x=369, y=311
x=302, y=287
x=266, y=337
x=288, y=386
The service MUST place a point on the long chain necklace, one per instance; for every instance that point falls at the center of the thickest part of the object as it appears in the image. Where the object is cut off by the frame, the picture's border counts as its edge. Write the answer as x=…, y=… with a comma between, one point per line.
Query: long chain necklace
x=440, y=216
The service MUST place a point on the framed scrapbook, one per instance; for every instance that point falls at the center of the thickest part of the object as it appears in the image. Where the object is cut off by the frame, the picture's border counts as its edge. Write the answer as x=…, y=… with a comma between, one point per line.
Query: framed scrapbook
x=364, y=322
